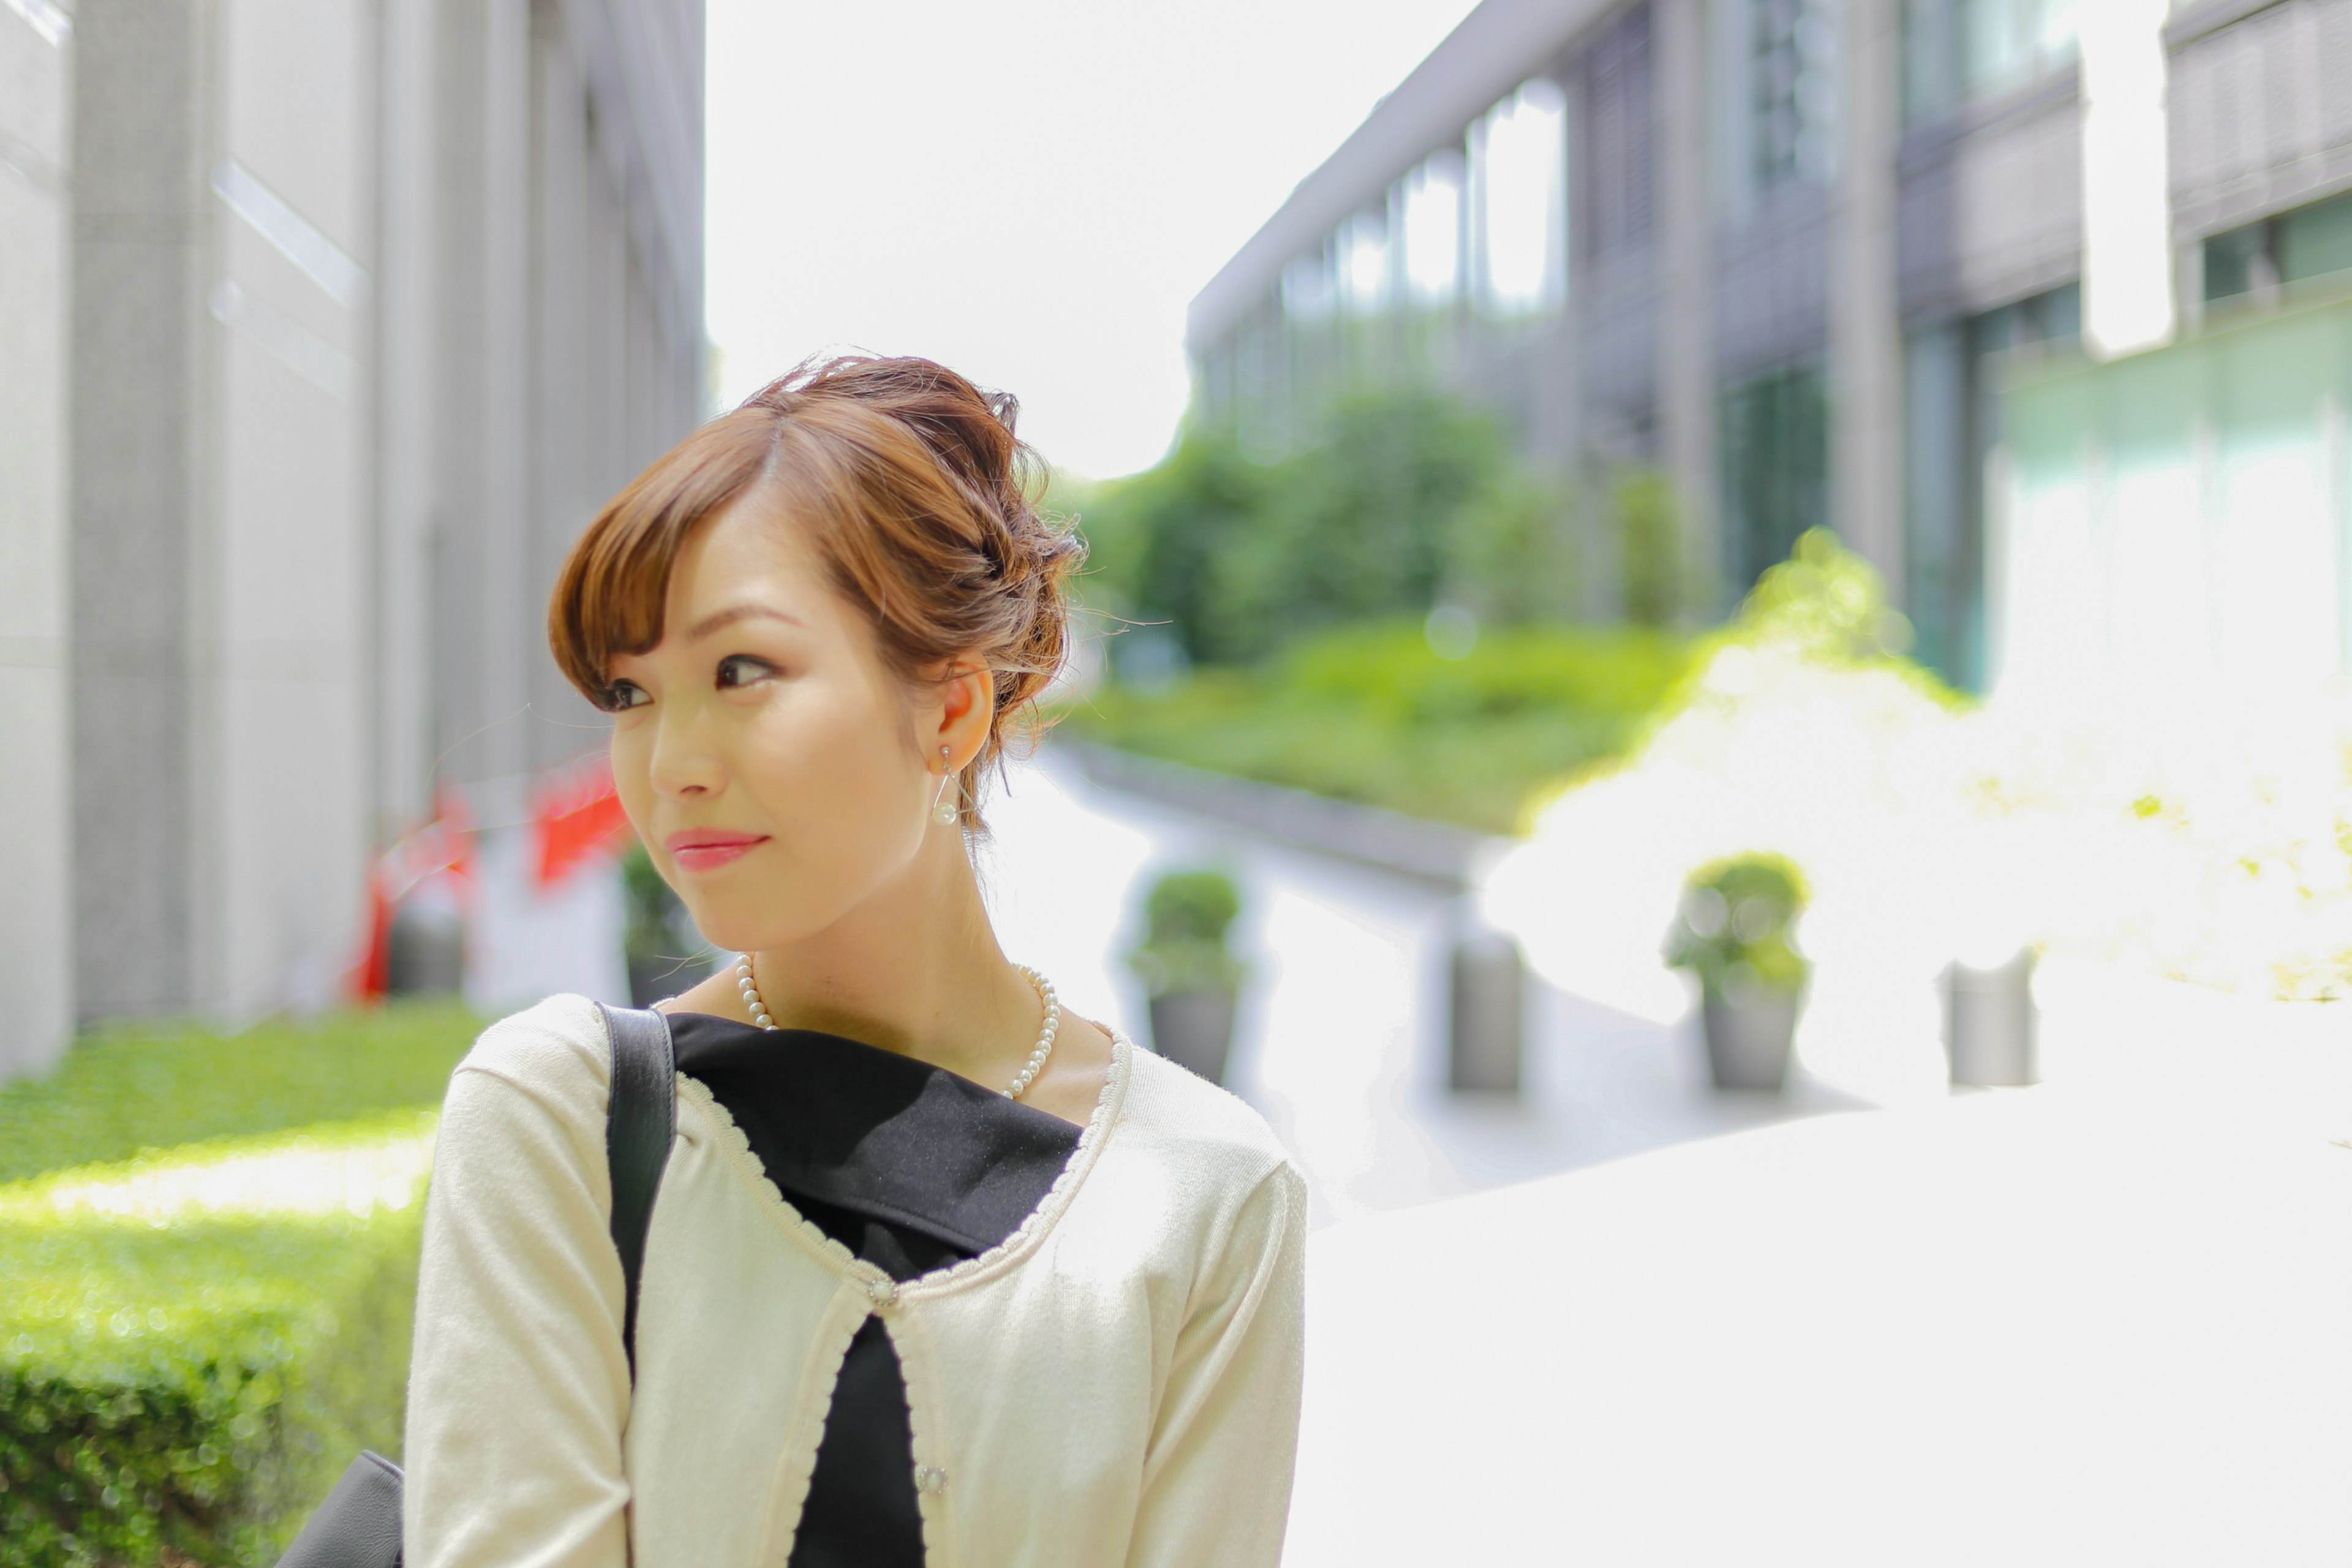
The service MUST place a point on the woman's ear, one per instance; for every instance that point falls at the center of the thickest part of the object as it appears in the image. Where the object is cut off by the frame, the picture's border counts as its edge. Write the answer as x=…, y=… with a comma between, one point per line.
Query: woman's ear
x=966, y=709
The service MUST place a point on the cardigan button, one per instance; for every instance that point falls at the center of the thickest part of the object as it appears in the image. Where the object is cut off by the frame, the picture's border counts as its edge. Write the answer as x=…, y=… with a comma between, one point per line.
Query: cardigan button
x=930, y=1478
x=881, y=1292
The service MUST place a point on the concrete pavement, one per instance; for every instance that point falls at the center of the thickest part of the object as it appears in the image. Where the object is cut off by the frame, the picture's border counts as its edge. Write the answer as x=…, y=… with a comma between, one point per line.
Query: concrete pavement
x=1625, y=1319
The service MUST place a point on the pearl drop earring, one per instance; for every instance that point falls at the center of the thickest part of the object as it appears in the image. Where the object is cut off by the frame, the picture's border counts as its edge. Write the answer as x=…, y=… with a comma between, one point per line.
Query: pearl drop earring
x=942, y=808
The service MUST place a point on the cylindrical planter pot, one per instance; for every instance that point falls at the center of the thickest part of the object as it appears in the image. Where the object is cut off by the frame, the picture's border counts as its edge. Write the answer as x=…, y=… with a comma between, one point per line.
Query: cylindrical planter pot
x=1988, y=1023
x=425, y=952
x=1748, y=1042
x=1195, y=1030
x=1489, y=1014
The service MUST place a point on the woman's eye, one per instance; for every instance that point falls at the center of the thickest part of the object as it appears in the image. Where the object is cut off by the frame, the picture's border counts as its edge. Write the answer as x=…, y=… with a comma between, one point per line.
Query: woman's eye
x=626, y=694
x=743, y=669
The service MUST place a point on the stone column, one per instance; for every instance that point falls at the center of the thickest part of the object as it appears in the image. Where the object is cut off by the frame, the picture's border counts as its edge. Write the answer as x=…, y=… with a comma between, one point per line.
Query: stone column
x=138, y=369
x=1686, y=377
x=37, y=924
x=1866, y=329
x=408, y=494
x=221, y=449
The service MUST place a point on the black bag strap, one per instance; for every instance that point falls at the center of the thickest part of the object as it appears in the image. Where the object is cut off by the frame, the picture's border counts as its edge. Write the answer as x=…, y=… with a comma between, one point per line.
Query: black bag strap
x=640, y=1123
x=359, y=1524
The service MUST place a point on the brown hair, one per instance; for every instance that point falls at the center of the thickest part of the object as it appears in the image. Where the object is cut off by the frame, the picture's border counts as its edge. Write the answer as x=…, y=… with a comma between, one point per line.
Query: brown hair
x=916, y=494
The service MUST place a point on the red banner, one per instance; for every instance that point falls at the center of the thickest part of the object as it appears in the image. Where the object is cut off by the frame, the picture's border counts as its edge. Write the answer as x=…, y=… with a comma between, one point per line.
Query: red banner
x=577, y=817
x=443, y=846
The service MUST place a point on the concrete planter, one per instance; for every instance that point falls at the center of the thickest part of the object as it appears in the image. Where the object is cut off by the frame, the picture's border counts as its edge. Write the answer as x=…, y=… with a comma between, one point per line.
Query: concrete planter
x=1748, y=1042
x=1195, y=1030
x=425, y=952
x=1489, y=1014
x=1988, y=1023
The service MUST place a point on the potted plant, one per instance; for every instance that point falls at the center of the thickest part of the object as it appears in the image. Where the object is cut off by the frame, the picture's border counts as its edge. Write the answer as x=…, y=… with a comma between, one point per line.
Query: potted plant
x=1735, y=933
x=1187, y=969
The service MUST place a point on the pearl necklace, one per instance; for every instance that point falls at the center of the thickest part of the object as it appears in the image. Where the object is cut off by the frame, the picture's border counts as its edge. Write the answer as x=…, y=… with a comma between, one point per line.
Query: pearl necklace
x=1013, y=1091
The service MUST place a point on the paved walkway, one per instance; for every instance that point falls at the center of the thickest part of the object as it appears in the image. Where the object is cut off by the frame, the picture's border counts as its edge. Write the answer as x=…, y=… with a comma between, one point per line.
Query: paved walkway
x=1626, y=1321
x=1341, y=1037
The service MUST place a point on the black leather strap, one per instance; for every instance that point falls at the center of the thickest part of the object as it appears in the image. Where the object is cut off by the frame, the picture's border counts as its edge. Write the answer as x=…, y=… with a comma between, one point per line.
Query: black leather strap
x=640, y=1123
x=359, y=1524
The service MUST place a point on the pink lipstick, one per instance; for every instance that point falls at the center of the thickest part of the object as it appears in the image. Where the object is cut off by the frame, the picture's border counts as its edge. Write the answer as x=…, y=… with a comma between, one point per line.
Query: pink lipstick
x=708, y=849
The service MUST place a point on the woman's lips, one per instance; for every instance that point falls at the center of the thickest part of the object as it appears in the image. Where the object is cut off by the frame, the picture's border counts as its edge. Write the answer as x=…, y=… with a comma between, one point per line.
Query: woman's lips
x=707, y=849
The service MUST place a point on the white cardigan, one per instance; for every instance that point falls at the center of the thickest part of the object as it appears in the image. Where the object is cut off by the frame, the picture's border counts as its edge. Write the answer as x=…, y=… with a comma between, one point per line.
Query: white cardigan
x=1117, y=1383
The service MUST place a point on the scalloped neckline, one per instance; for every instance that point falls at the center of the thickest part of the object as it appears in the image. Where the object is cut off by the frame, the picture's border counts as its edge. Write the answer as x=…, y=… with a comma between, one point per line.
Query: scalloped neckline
x=737, y=1149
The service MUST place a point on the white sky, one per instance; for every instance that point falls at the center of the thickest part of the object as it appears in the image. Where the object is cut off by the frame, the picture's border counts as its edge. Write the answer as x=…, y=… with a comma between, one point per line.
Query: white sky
x=1031, y=191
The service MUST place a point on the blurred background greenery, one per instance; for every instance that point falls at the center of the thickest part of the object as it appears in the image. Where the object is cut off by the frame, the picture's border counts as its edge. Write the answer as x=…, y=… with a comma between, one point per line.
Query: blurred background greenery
x=1396, y=612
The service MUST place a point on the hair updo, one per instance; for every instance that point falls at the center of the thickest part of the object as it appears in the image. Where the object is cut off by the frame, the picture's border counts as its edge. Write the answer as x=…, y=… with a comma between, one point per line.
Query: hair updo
x=916, y=494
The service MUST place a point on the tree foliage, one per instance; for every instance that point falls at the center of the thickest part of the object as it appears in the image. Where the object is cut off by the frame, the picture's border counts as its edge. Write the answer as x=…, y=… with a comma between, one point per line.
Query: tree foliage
x=1408, y=499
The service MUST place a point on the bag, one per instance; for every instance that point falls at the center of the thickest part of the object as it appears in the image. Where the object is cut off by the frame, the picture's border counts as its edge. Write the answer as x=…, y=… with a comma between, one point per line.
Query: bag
x=359, y=1524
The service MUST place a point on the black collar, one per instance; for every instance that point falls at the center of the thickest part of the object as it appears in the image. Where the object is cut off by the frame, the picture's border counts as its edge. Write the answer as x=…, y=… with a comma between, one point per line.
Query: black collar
x=876, y=1133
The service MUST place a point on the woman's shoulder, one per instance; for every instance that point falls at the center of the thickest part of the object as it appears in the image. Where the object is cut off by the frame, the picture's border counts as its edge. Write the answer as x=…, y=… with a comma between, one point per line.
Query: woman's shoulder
x=555, y=1052
x=1172, y=1114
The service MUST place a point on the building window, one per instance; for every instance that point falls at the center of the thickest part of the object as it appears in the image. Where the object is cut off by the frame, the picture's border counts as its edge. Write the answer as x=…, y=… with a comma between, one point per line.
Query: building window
x=2257, y=259
x=1518, y=185
x=1775, y=467
x=1952, y=415
x=2005, y=44
x=1620, y=138
x=1364, y=251
x=1430, y=207
x=1956, y=51
x=1791, y=91
x=1307, y=296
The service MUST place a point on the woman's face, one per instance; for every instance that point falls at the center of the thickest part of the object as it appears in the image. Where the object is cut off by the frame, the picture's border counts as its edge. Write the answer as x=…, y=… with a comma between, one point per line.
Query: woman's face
x=772, y=764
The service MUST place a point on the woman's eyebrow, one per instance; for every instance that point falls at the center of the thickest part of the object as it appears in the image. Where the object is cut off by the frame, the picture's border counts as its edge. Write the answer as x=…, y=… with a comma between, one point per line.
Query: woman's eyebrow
x=717, y=618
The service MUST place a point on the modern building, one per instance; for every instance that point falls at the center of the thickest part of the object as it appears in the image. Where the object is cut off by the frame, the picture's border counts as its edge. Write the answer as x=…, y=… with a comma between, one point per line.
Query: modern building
x=1791, y=251
x=328, y=323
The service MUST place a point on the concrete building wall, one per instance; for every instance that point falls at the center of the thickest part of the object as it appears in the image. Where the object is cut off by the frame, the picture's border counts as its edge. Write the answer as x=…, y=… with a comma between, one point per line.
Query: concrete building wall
x=139, y=347
x=36, y=966
x=329, y=324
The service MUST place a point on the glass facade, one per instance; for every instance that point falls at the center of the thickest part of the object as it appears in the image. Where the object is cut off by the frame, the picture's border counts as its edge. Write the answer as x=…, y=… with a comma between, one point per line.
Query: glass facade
x=2305, y=245
x=1952, y=418
x=1519, y=181
x=1775, y=456
x=1956, y=52
x=1472, y=244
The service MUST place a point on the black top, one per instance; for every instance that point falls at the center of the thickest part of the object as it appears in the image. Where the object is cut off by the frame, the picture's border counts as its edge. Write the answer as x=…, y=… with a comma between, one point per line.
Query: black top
x=913, y=1169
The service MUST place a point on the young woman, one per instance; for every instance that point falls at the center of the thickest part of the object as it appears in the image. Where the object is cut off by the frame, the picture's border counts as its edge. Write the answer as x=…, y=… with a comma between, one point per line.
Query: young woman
x=939, y=1273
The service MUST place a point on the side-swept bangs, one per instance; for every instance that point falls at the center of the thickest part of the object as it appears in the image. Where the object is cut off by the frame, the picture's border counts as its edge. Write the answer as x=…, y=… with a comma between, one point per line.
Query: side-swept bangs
x=609, y=596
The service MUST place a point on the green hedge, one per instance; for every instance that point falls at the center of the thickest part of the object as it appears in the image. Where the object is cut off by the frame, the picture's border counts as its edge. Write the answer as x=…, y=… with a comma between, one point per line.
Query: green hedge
x=132, y=1087
x=1372, y=715
x=195, y=1341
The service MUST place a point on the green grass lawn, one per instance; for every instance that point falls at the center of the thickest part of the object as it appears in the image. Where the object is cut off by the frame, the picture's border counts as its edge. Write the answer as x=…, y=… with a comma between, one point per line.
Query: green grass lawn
x=1372, y=714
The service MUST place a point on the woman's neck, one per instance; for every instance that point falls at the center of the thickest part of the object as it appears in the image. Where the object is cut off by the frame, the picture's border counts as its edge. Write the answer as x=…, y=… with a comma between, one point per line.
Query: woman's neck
x=914, y=968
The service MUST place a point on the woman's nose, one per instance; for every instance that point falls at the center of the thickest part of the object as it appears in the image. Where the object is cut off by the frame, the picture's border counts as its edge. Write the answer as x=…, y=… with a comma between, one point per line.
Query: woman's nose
x=684, y=766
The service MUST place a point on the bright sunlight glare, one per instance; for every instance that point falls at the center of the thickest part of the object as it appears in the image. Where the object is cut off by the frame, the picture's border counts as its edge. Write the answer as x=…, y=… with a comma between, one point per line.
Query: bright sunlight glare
x=1031, y=192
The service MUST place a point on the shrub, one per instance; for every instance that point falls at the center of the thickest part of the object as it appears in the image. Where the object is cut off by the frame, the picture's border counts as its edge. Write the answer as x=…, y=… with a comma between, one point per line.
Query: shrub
x=207, y=1264
x=1374, y=714
x=1733, y=930
x=194, y=1345
x=1186, y=916
x=1649, y=533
